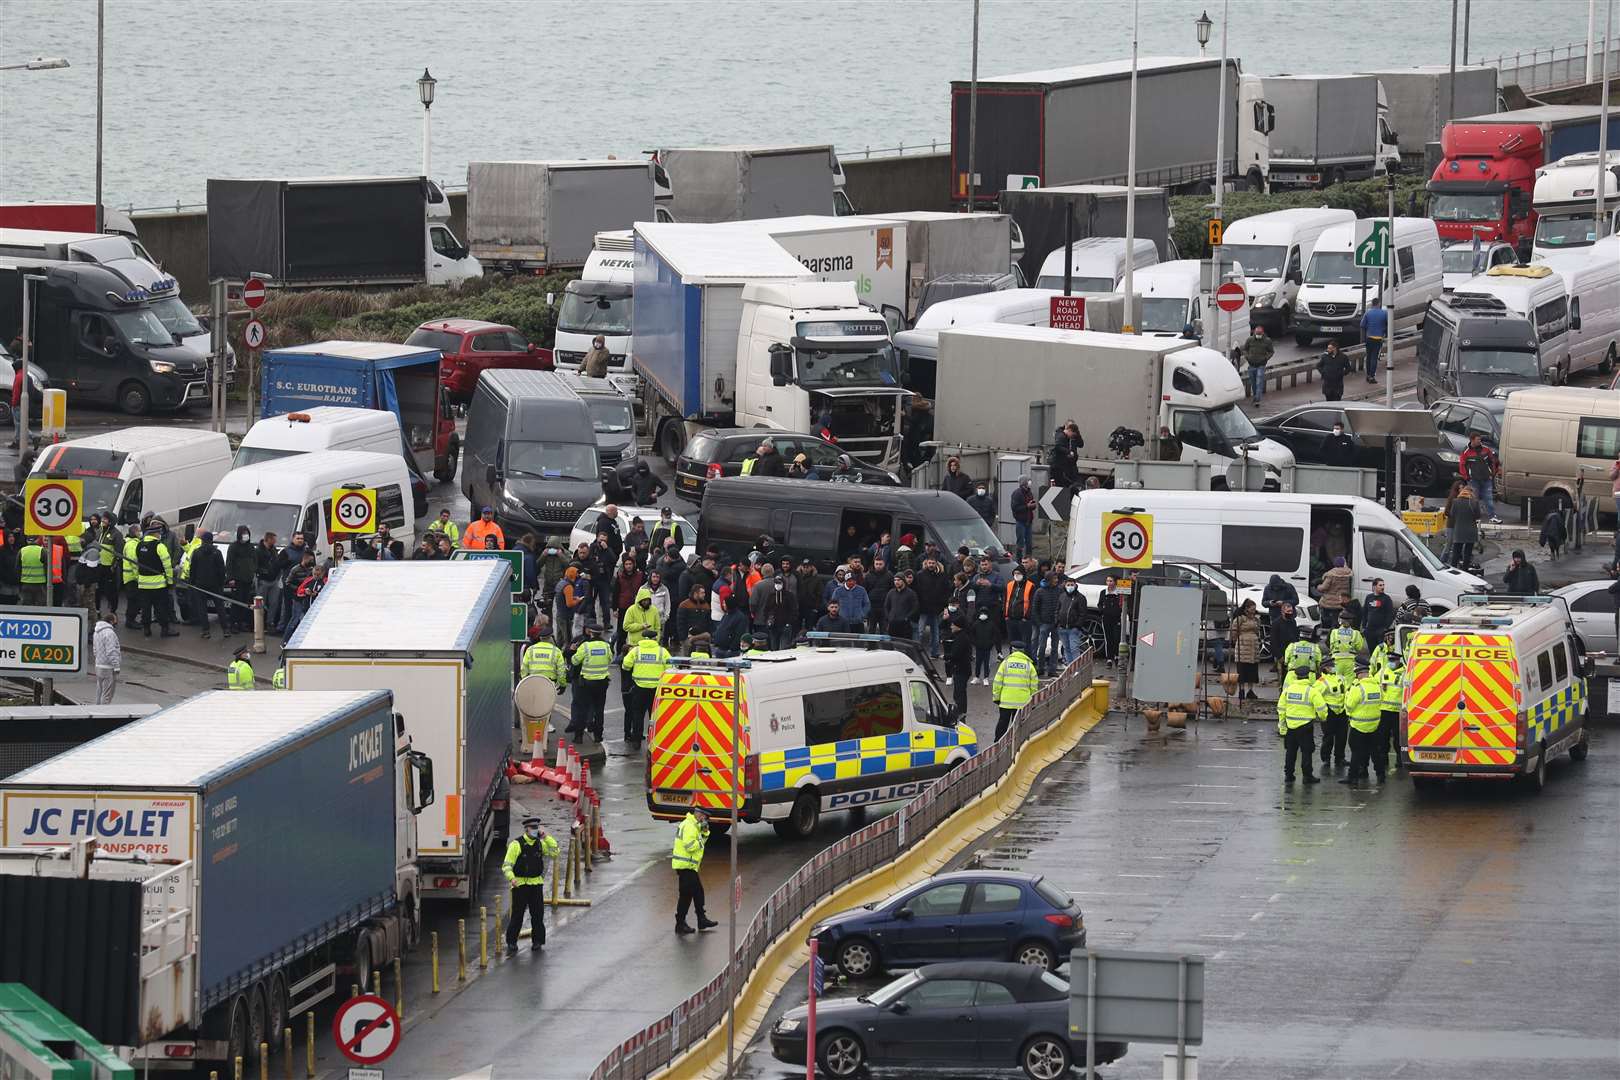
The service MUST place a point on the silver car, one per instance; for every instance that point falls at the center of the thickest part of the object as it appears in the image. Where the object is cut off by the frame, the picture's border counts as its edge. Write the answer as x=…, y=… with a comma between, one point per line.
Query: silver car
x=1591, y=609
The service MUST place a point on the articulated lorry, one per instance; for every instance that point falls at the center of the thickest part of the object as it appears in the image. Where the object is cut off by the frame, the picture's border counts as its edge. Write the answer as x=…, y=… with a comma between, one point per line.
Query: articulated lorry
x=1566, y=201
x=438, y=636
x=1101, y=381
x=1485, y=182
x=1096, y=209
x=938, y=245
x=730, y=331
x=1317, y=130
x=867, y=252
x=368, y=232
x=1421, y=98
x=529, y=216
x=1068, y=125
x=191, y=882
x=737, y=183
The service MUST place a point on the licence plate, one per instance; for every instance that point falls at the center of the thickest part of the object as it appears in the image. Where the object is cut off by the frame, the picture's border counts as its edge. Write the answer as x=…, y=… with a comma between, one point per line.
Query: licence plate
x=688, y=482
x=196, y=390
x=676, y=798
x=1433, y=755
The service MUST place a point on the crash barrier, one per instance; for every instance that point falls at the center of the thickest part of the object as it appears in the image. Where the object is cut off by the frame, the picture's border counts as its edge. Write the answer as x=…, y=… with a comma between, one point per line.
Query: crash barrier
x=867, y=849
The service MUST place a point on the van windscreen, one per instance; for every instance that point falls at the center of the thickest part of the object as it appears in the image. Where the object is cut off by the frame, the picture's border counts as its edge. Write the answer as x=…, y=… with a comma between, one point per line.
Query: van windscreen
x=1077, y=284
x=552, y=460
x=253, y=455
x=971, y=533
x=1334, y=268
x=97, y=469
x=1499, y=362
x=224, y=516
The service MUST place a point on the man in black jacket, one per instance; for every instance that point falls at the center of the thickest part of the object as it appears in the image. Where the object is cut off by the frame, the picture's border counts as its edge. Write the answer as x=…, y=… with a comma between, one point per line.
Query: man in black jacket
x=983, y=504
x=206, y=570
x=958, y=653
x=808, y=584
x=956, y=481
x=1377, y=614
x=878, y=583
x=933, y=589
x=241, y=570
x=1333, y=366
x=900, y=608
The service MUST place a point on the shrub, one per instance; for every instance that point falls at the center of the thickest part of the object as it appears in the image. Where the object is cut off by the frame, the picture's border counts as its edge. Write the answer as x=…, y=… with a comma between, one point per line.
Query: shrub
x=1368, y=198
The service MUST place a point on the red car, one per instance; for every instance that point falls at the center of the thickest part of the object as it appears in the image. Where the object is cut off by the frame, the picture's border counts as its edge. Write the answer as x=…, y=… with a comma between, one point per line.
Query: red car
x=469, y=347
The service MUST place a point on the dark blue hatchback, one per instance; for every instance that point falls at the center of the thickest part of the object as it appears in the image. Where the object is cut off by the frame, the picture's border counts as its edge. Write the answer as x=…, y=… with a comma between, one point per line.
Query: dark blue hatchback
x=967, y=915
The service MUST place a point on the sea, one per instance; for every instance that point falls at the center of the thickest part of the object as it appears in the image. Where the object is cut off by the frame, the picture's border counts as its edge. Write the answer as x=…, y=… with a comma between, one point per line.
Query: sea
x=241, y=88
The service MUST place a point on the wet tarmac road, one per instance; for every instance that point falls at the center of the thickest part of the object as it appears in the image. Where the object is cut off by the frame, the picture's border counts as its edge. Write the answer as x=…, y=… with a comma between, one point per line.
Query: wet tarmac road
x=1467, y=933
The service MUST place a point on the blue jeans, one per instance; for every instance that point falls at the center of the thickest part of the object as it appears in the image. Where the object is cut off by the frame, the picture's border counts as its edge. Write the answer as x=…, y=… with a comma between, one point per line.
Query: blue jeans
x=1257, y=383
x=1023, y=538
x=1045, y=634
x=928, y=633
x=1487, y=497
x=1071, y=644
x=1374, y=347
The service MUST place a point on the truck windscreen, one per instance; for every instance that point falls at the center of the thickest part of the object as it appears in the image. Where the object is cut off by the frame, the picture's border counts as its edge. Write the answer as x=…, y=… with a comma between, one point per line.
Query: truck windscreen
x=1458, y=206
x=582, y=313
x=142, y=327
x=1565, y=232
x=1499, y=362
x=824, y=369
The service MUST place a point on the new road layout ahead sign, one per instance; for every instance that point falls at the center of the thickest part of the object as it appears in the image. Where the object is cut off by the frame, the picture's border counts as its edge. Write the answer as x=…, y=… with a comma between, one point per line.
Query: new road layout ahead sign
x=49, y=640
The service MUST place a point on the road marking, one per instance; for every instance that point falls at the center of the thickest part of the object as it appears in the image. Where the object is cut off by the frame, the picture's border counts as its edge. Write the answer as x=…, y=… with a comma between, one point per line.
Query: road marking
x=1274, y=897
x=1156, y=876
x=1196, y=802
x=1193, y=821
x=1226, y=766
x=1257, y=916
x=1225, y=787
x=1314, y=843
x=1239, y=936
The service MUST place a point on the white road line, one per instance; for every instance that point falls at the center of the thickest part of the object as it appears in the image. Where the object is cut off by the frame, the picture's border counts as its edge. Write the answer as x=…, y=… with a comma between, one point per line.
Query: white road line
x=1226, y=766
x=1273, y=898
x=1224, y=787
x=1196, y=802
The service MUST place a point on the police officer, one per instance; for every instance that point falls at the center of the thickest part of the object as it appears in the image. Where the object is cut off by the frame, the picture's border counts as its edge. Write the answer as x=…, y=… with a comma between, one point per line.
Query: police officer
x=1383, y=652
x=1390, y=677
x=1303, y=653
x=1013, y=685
x=239, y=672
x=278, y=681
x=594, y=659
x=132, y=606
x=525, y=870
x=691, y=836
x=542, y=657
x=1328, y=696
x=645, y=663
x=154, y=578
x=1295, y=714
x=31, y=572
x=1364, y=702
x=1345, y=644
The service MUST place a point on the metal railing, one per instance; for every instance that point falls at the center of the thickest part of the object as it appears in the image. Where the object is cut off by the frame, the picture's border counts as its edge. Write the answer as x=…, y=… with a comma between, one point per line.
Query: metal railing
x=934, y=147
x=1551, y=69
x=665, y=1039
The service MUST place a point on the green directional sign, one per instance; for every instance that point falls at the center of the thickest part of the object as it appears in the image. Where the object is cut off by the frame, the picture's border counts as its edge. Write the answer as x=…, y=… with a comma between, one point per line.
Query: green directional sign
x=1372, y=242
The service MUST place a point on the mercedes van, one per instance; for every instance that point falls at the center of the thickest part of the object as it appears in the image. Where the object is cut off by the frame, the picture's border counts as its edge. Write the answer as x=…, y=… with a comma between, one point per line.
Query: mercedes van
x=136, y=471
x=531, y=453
x=1274, y=249
x=294, y=494
x=1096, y=264
x=1335, y=291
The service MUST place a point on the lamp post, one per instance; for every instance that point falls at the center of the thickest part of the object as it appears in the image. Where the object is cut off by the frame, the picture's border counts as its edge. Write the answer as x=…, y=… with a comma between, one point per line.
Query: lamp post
x=424, y=90
x=1204, y=25
x=101, y=26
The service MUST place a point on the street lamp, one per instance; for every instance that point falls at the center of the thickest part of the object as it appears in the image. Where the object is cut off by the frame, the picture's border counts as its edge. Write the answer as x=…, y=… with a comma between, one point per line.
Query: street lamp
x=1204, y=24
x=38, y=63
x=424, y=90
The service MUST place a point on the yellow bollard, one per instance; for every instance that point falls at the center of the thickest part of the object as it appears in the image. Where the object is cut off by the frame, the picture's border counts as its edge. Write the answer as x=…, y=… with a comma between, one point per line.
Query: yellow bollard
x=555, y=874
x=264, y=1061
x=309, y=1045
x=483, y=937
x=579, y=859
x=376, y=984
x=354, y=990
x=238, y=1062
x=399, y=989
x=500, y=919
x=286, y=1053
x=461, y=959
x=435, y=961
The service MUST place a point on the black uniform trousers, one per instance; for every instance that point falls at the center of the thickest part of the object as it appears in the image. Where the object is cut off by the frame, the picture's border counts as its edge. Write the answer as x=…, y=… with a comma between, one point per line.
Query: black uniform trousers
x=1366, y=747
x=691, y=887
x=1387, y=742
x=959, y=684
x=635, y=713
x=1335, y=736
x=589, y=707
x=1299, y=743
x=530, y=898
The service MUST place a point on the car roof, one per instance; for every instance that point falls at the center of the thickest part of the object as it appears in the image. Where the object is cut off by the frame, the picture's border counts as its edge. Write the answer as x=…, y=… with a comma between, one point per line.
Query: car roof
x=983, y=875
x=1581, y=588
x=464, y=326
x=1023, y=980
x=758, y=434
x=1489, y=404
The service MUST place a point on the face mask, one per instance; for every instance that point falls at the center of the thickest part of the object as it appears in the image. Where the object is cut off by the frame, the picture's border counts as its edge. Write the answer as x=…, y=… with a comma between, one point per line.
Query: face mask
x=778, y=586
x=1018, y=577
x=533, y=834
x=1068, y=588
x=972, y=597
x=952, y=609
x=979, y=491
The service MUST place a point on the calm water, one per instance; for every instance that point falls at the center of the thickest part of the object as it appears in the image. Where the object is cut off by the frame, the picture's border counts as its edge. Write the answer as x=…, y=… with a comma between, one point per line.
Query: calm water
x=200, y=88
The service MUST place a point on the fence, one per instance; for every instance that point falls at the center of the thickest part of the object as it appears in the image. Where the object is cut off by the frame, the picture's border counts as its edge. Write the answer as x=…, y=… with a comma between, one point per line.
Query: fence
x=875, y=845
x=1552, y=69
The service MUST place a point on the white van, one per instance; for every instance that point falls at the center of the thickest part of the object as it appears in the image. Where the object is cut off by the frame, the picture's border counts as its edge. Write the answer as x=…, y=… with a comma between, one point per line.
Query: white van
x=1592, y=282
x=1551, y=435
x=139, y=470
x=1274, y=249
x=1255, y=535
x=1096, y=264
x=1021, y=307
x=1538, y=294
x=322, y=428
x=1331, y=298
x=294, y=494
x=1173, y=300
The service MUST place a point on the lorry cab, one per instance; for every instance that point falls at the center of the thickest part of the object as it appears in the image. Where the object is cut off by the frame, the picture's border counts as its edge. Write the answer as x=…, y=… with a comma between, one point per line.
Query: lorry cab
x=1336, y=292
x=1482, y=185
x=1466, y=259
x=1274, y=249
x=137, y=471
x=1472, y=344
x=1174, y=305
x=100, y=336
x=850, y=723
x=1202, y=405
x=1492, y=690
x=1565, y=201
x=294, y=494
x=1096, y=264
x=810, y=357
x=1535, y=293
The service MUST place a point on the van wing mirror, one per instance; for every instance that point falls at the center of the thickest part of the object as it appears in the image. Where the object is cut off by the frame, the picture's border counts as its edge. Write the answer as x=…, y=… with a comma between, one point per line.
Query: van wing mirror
x=492, y=475
x=781, y=364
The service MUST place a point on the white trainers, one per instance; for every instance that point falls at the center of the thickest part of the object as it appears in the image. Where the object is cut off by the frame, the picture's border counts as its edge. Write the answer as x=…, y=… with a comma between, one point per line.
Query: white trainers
x=1496, y=521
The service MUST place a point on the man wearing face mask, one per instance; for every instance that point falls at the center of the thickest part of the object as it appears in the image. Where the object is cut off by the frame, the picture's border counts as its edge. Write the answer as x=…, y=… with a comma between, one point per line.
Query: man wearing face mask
x=241, y=568
x=525, y=870
x=1338, y=448
x=959, y=653
x=983, y=504
x=777, y=612
x=1072, y=610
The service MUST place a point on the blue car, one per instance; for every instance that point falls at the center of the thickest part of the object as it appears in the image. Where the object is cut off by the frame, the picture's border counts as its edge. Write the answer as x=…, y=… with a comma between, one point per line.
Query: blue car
x=967, y=915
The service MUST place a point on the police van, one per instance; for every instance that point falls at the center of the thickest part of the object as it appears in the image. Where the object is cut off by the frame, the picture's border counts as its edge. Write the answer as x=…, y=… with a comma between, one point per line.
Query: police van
x=823, y=728
x=1493, y=688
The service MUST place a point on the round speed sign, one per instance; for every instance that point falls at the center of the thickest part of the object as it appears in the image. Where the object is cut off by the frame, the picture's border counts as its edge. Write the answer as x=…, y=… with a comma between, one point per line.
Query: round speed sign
x=354, y=510
x=54, y=507
x=1127, y=540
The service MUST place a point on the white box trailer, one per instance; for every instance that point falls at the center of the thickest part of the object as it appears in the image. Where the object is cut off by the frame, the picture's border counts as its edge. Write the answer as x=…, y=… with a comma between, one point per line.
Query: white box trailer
x=539, y=214
x=735, y=183
x=940, y=243
x=869, y=252
x=437, y=634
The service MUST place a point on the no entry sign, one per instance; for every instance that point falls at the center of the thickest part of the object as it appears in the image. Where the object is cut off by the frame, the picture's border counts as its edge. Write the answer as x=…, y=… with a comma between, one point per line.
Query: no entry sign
x=54, y=507
x=1231, y=296
x=366, y=1029
x=252, y=292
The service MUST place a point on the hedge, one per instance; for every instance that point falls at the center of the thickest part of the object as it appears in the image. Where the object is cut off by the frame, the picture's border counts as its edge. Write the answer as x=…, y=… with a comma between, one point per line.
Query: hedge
x=1368, y=198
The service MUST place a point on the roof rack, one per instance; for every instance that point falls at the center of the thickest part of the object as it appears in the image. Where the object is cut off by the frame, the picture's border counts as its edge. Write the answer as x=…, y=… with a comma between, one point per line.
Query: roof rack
x=1478, y=303
x=908, y=648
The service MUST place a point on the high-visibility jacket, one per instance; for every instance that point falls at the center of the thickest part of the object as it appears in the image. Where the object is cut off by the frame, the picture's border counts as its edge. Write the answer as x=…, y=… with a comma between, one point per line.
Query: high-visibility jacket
x=58, y=558
x=185, y=557
x=478, y=530
x=449, y=530
x=1390, y=679
x=160, y=580
x=638, y=619
x=646, y=662
x=594, y=660
x=108, y=539
x=1381, y=658
x=1345, y=643
x=699, y=654
x=1302, y=654
x=1329, y=690
x=1294, y=707
x=544, y=658
x=545, y=847
x=690, y=837
x=748, y=465
x=1015, y=681
x=1364, y=702
x=31, y=564
x=1007, y=599
x=279, y=679
x=131, y=542
x=239, y=675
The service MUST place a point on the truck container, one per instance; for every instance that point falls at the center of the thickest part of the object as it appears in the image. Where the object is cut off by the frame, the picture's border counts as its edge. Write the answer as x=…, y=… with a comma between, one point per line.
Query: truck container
x=1323, y=130
x=1420, y=99
x=1069, y=125
x=538, y=215
x=938, y=244
x=67, y=217
x=1101, y=381
x=1485, y=182
x=253, y=855
x=1097, y=209
x=734, y=183
x=868, y=252
x=438, y=635
x=370, y=231
x=401, y=379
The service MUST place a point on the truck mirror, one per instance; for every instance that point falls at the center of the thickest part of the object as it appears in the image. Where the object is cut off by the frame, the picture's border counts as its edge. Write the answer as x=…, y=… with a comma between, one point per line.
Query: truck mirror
x=781, y=364
x=905, y=364
x=892, y=316
x=551, y=299
x=423, y=767
x=491, y=475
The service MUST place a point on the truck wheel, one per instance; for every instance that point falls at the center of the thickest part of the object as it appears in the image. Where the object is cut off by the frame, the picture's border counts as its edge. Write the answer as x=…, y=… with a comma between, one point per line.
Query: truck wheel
x=671, y=441
x=362, y=960
x=1303, y=339
x=258, y=1021
x=134, y=398
x=275, y=1016
x=1256, y=182
x=446, y=470
x=236, y=1041
x=801, y=823
x=1578, y=751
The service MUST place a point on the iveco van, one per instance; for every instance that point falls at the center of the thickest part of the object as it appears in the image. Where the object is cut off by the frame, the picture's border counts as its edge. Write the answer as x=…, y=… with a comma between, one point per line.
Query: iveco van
x=531, y=452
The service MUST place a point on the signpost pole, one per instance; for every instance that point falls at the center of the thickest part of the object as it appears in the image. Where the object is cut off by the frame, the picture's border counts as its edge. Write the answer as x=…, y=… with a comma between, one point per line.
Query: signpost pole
x=1181, y=1019
x=1390, y=264
x=47, y=685
x=1091, y=1015
x=1130, y=181
x=219, y=328
x=973, y=118
x=30, y=288
x=731, y=881
x=810, y=1011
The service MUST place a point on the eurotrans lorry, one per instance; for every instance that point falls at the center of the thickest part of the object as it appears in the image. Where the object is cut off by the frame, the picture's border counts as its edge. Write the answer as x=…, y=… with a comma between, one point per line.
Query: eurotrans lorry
x=730, y=332
x=989, y=377
x=542, y=215
x=187, y=885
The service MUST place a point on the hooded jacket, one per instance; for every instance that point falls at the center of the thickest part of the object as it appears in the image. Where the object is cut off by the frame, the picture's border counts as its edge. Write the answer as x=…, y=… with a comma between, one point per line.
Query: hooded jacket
x=1278, y=589
x=638, y=619
x=208, y=567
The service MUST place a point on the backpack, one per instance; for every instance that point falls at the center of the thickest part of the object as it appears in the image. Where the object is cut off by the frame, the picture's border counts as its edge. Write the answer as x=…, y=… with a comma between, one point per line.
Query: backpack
x=147, y=560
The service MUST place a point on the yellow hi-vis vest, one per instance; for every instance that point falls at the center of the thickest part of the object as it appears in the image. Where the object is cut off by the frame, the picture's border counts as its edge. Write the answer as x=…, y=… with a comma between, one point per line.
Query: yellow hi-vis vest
x=1015, y=681
x=544, y=658
x=1364, y=702
x=646, y=662
x=594, y=660
x=1294, y=708
x=690, y=837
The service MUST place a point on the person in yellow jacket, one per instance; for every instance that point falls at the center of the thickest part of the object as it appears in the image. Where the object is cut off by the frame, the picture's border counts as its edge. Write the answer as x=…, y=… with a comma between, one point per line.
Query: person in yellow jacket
x=1345, y=644
x=1295, y=714
x=691, y=836
x=239, y=672
x=1328, y=698
x=645, y=663
x=525, y=870
x=1364, y=703
x=154, y=578
x=278, y=681
x=594, y=659
x=31, y=571
x=1013, y=686
x=446, y=528
x=126, y=575
x=1391, y=679
x=641, y=617
x=542, y=657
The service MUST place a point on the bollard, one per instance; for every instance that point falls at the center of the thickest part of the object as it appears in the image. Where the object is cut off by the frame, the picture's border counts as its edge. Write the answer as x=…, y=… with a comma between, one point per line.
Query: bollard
x=376, y=984
x=435, y=961
x=555, y=876
x=213, y=1074
x=258, y=624
x=286, y=1053
x=264, y=1061
x=483, y=937
x=461, y=960
x=568, y=871
x=309, y=1045
x=354, y=991
x=399, y=989
x=238, y=1069
x=579, y=859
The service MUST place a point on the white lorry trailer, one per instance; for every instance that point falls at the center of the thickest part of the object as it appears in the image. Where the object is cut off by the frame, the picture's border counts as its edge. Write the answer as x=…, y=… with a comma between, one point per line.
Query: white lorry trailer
x=1323, y=130
x=736, y=183
x=540, y=215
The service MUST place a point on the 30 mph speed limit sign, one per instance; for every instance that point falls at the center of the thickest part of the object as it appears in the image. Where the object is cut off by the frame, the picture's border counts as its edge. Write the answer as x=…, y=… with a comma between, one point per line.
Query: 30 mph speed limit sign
x=54, y=507
x=354, y=510
x=1127, y=540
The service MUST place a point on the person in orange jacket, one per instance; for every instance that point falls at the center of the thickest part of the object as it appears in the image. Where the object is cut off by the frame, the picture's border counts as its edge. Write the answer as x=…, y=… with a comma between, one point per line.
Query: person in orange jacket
x=477, y=531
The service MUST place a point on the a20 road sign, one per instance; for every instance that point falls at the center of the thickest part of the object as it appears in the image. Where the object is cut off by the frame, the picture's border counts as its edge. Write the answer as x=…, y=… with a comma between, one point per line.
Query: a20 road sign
x=1372, y=242
x=53, y=507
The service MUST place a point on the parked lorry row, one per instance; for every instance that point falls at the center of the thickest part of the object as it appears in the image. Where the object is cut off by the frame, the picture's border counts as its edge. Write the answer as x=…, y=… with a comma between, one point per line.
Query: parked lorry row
x=1313, y=130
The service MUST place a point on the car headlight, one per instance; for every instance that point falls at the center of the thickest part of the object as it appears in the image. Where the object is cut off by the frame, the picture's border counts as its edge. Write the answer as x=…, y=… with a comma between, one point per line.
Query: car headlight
x=511, y=502
x=1448, y=456
x=162, y=367
x=785, y=1026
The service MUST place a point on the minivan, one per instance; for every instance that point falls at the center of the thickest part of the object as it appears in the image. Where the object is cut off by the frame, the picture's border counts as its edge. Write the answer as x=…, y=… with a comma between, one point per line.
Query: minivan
x=1592, y=280
x=1471, y=344
x=1335, y=291
x=1096, y=264
x=1274, y=249
x=827, y=523
x=1173, y=306
x=1553, y=435
x=1254, y=535
x=530, y=453
x=1538, y=294
x=294, y=494
x=135, y=471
